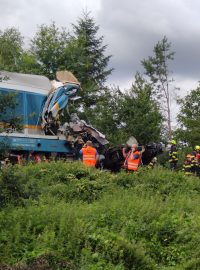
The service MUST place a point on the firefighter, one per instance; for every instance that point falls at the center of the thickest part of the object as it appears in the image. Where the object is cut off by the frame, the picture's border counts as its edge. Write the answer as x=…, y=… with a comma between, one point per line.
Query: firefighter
x=188, y=166
x=132, y=158
x=196, y=160
x=173, y=155
x=89, y=154
x=152, y=163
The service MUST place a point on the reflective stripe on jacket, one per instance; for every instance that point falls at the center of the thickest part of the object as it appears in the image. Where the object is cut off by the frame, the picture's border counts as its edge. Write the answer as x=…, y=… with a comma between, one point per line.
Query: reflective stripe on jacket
x=188, y=168
x=89, y=156
x=173, y=154
x=134, y=161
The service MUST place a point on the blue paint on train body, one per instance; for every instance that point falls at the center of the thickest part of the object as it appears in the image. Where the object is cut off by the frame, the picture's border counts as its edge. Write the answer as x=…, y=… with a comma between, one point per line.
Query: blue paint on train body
x=35, y=144
x=29, y=107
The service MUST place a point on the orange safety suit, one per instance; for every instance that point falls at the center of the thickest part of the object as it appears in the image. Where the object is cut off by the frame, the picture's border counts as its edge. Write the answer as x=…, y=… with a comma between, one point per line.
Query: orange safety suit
x=133, y=160
x=89, y=156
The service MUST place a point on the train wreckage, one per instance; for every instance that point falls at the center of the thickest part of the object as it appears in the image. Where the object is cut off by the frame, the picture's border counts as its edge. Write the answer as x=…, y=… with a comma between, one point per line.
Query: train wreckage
x=40, y=102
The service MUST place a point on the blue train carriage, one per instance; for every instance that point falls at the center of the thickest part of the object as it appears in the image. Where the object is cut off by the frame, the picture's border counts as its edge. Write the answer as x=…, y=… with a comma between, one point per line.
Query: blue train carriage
x=31, y=94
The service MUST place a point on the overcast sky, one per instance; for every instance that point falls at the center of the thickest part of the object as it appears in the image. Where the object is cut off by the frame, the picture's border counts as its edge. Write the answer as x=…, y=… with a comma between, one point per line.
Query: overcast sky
x=130, y=28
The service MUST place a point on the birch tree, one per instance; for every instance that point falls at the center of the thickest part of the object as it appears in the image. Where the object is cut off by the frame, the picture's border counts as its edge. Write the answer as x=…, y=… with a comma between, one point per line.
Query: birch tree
x=157, y=69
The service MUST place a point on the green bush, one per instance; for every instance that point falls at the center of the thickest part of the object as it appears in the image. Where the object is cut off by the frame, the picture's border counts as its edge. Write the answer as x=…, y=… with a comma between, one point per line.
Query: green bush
x=11, y=186
x=67, y=216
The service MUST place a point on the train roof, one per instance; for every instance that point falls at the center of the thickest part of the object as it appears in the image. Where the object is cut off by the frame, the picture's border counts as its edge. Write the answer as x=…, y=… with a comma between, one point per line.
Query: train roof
x=25, y=82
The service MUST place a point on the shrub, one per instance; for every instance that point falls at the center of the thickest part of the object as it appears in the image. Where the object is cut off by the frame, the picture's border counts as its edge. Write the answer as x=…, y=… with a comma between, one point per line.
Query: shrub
x=67, y=215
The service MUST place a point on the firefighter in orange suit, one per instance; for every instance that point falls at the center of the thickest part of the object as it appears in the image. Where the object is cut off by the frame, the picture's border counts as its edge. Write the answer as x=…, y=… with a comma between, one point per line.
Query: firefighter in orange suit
x=89, y=154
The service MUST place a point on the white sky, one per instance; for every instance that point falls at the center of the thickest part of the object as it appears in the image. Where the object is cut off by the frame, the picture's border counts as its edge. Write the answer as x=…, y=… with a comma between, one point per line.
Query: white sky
x=130, y=28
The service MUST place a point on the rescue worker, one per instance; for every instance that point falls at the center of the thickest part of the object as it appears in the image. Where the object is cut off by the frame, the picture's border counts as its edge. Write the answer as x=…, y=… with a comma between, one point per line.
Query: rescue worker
x=152, y=163
x=132, y=158
x=188, y=166
x=173, y=155
x=196, y=159
x=196, y=150
x=89, y=154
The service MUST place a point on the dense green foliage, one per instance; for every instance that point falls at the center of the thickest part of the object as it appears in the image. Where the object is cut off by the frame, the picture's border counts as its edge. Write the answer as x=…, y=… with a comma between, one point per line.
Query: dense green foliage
x=65, y=216
x=11, y=42
x=140, y=114
x=130, y=113
x=189, y=118
x=47, y=47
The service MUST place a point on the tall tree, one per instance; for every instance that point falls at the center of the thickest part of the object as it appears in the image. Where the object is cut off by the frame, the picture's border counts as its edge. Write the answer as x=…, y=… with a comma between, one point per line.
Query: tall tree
x=157, y=69
x=95, y=63
x=13, y=56
x=47, y=47
x=11, y=42
x=189, y=118
x=139, y=113
x=86, y=55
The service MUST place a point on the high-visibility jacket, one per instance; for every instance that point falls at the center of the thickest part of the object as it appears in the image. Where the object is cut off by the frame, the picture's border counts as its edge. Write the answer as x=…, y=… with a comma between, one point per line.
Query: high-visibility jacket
x=89, y=156
x=188, y=167
x=173, y=154
x=133, y=160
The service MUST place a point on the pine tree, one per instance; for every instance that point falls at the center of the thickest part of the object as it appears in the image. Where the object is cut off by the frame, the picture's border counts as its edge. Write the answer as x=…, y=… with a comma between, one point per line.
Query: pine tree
x=85, y=57
x=96, y=63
